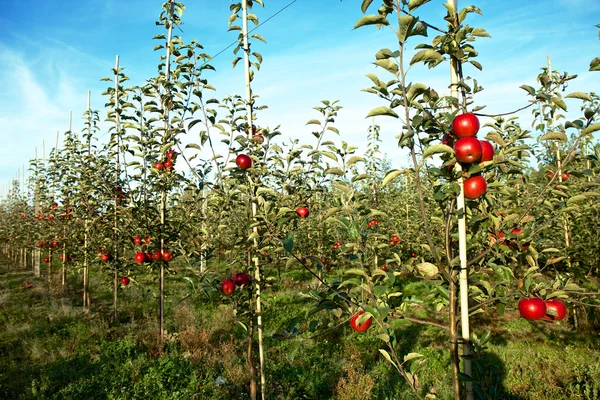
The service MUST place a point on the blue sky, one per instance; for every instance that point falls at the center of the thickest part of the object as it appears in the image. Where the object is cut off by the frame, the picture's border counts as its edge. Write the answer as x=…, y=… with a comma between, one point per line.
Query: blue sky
x=52, y=52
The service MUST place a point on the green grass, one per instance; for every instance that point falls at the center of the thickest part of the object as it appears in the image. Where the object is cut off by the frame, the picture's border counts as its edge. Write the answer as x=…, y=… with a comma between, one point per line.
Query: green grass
x=51, y=349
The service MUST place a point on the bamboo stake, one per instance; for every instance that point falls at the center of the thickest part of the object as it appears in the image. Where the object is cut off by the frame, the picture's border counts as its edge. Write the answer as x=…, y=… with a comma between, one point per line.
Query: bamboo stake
x=462, y=246
x=36, y=208
x=116, y=194
x=559, y=172
x=86, y=294
x=163, y=199
x=257, y=273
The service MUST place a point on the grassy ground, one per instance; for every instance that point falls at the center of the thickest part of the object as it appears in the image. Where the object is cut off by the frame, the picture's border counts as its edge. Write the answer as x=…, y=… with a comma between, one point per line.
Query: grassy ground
x=51, y=349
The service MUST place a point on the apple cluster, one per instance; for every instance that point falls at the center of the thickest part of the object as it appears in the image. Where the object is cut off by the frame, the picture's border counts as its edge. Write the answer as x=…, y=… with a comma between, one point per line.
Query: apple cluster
x=239, y=279
x=501, y=239
x=156, y=255
x=535, y=308
x=167, y=163
x=468, y=150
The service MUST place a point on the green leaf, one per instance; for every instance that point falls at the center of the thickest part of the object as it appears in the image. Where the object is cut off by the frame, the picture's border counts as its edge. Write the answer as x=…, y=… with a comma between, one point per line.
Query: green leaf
x=371, y=20
x=414, y=4
x=412, y=356
x=406, y=22
x=365, y=4
x=334, y=171
x=579, y=95
x=480, y=32
x=354, y=159
x=235, y=61
x=427, y=269
x=528, y=89
x=193, y=146
x=356, y=271
x=572, y=287
x=427, y=56
x=591, y=129
x=415, y=90
x=576, y=199
x=384, y=336
x=561, y=137
x=436, y=149
x=557, y=293
x=387, y=64
x=391, y=175
x=382, y=111
x=386, y=355
x=259, y=37
x=559, y=102
x=555, y=260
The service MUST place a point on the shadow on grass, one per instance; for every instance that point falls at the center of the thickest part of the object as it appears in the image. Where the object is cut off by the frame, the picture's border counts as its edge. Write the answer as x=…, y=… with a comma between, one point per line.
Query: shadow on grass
x=489, y=374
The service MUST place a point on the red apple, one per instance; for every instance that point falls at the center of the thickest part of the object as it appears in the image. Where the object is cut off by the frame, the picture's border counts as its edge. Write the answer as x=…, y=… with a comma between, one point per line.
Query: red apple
x=106, y=257
x=384, y=268
x=140, y=257
x=241, y=278
x=362, y=327
x=413, y=255
x=468, y=150
x=558, y=307
x=159, y=166
x=137, y=240
x=448, y=139
x=227, y=287
x=147, y=257
x=565, y=176
x=465, y=125
x=171, y=154
x=475, y=187
x=168, y=164
x=124, y=281
x=549, y=175
x=167, y=255
x=243, y=162
x=148, y=238
x=54, y=243
x=258, y=138
x=487, y=151
x=27, y=284
x=532, y=309
x=156, y=255
x=516, y=231
x=302, y=212
x=46, y=260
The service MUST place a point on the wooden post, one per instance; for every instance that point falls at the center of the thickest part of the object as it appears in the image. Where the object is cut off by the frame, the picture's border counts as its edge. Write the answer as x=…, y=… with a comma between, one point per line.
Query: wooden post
x=257, y=273
x=36, y=208
x=116, y=195
x=163, y=199
x=462, y=245
x=86, y=277
x=560, y=173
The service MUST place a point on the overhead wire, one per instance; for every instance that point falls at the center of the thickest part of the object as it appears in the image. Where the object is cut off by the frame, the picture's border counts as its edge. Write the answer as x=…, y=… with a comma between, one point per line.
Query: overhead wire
x=236, y=41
